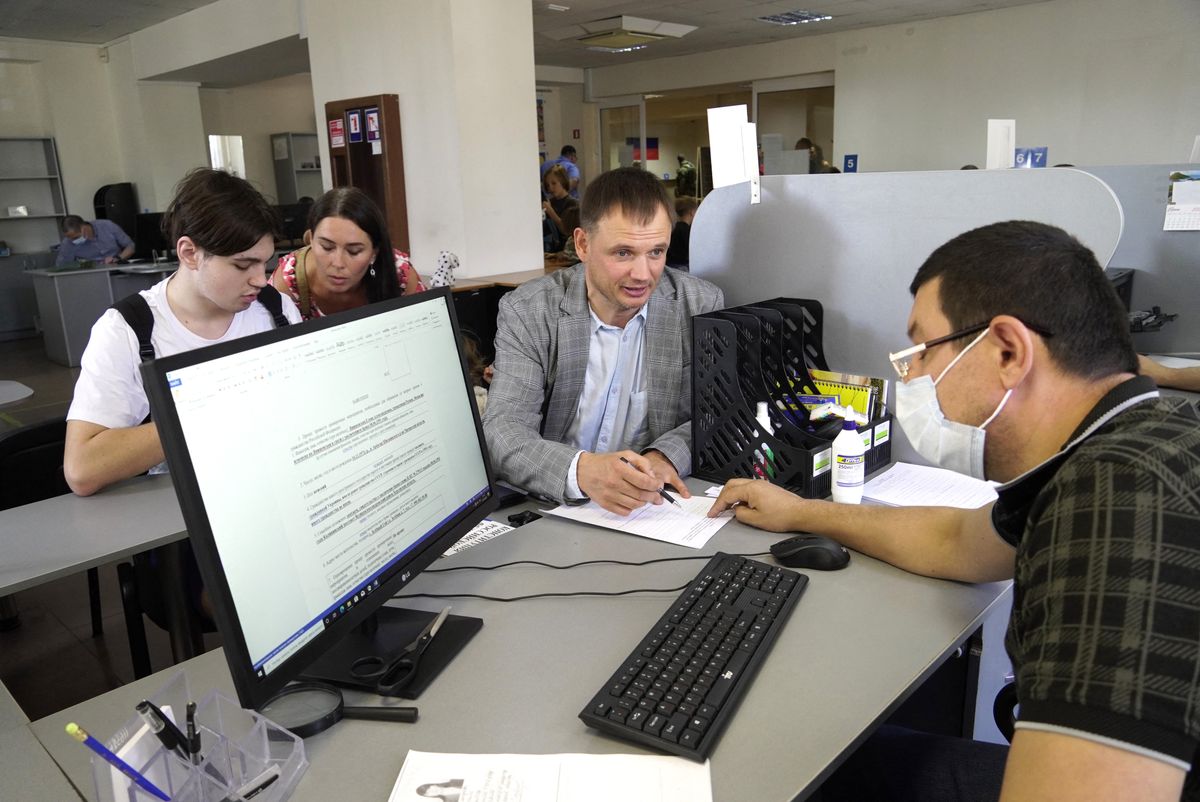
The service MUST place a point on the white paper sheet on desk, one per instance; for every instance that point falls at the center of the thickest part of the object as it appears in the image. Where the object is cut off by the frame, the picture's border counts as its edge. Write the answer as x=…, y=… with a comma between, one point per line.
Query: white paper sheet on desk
x=685, y=525
x=551, y=778
x=482, y=532
x=905, y=485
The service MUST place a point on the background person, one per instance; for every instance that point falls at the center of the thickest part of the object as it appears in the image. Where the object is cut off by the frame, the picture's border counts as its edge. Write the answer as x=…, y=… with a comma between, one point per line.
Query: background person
x=568, y=160
x=1179, y=378
x=678, y=254
x=100, y=241
x=685, y=178
x=554, y=184
x=348, y=261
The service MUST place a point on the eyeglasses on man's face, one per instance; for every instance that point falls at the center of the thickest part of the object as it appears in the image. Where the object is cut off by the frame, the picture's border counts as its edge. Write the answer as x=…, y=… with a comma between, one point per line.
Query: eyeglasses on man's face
x=902, y=360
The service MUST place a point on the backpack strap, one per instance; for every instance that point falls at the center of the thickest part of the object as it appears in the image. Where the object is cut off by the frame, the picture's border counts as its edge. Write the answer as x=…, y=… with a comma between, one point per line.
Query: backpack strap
x=269, y=297
x=137, y=314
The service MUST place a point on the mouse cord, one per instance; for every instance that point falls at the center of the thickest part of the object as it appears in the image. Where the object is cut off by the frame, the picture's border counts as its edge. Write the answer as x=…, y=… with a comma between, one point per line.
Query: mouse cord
x=559, y=568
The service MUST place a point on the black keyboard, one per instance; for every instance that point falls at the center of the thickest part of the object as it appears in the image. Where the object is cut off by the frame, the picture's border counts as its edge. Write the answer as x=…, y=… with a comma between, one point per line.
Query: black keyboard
x=678, y=689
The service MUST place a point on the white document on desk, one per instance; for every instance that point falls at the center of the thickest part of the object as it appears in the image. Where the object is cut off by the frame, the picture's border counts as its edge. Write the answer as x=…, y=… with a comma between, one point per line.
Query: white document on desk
x=685, y=525
x=550, y=778
x=906, y=485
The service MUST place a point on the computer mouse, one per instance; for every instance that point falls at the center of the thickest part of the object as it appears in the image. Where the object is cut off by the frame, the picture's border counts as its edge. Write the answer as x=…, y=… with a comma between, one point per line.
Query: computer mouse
x=811, y=551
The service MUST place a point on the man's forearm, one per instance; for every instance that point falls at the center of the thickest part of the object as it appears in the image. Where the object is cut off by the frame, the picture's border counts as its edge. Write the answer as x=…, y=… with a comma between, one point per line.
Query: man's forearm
x=109, y=456
x=942, y=542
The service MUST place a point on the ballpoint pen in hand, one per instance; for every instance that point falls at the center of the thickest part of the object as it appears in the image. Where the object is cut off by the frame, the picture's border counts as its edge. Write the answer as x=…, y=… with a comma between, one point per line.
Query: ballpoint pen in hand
x=79, y=734
x=661, y=491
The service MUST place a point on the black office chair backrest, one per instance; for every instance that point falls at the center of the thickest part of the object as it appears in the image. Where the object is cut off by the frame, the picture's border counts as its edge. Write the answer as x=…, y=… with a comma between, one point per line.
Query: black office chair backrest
x=31, y=463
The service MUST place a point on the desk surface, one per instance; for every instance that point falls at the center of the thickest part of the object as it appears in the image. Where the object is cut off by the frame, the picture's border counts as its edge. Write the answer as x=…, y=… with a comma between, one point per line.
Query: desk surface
x=858, y=643
x=498, y=280
x=26, y=770
x=67, y=534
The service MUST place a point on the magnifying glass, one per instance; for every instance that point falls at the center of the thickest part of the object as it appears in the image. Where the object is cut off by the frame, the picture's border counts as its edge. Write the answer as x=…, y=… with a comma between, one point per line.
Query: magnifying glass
x=308, y=708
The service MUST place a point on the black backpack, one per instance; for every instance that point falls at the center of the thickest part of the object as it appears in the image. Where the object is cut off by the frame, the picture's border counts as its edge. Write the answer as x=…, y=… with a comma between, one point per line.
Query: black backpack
x=137, y=314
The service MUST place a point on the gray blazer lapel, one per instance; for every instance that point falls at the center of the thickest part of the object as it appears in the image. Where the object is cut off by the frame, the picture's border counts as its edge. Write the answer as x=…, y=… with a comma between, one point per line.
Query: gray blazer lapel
x=665, y=328
x=574, y=326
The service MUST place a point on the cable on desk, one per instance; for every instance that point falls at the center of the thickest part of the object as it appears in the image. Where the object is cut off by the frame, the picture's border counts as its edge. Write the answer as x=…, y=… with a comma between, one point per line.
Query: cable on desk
x=559, y=568
x=578, y=564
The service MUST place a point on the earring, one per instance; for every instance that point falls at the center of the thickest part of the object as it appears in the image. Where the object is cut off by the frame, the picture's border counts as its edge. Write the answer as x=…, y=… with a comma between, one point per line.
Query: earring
x=372, y=271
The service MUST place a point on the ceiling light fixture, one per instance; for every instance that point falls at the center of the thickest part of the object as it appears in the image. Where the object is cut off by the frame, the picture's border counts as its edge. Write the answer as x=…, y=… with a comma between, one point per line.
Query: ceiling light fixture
x=794, y=18
x=557, y=7
x=620, y=34
x=617, y=49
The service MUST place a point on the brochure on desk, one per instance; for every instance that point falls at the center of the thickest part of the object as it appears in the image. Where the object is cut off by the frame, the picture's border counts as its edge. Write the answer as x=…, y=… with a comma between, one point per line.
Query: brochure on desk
x=550, y=778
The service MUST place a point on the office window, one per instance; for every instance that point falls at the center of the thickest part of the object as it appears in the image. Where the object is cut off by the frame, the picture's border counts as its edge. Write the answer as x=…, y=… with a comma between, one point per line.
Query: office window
x=225, y=153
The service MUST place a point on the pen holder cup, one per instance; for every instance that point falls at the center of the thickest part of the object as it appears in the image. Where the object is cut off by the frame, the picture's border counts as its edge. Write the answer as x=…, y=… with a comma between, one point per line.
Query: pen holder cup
x=236, y=745
x=762, y=352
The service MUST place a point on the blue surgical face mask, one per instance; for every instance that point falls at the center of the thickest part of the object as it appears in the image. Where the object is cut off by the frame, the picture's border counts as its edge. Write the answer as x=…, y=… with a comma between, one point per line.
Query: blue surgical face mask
x=80, y=240
x=949, y=444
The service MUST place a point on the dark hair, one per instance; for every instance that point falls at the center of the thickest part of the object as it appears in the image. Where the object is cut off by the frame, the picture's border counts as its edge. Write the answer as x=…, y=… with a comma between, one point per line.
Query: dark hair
x=567, y=150
x=685, y=204
x=72, y=222
x=631, y=190
x=221, y=213
x=1044, y=277
x=803, y=143
x=351, y=203
x=557, y=172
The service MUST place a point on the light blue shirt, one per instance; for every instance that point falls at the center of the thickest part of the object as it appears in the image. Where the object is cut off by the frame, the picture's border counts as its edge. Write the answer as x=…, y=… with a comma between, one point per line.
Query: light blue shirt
x=612, y=407
x=109, y=240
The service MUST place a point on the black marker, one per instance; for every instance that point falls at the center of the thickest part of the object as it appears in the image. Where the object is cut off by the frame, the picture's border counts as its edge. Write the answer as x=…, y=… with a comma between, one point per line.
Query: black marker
x=164, y=728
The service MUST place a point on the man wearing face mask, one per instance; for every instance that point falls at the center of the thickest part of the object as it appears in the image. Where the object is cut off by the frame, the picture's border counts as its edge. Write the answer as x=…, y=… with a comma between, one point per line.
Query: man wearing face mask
x=1023, y=372
x=100, y=241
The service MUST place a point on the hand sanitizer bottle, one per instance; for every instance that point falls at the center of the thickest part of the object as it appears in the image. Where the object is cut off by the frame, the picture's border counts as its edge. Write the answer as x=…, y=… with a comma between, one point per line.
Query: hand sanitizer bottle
x=849, y=463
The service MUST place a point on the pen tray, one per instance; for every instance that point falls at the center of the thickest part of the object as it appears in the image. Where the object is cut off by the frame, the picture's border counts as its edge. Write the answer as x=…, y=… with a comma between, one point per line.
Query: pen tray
x=237, y=745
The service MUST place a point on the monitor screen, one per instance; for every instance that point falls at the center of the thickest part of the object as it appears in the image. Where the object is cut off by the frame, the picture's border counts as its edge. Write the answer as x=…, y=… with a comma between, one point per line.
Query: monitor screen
x=319, y=467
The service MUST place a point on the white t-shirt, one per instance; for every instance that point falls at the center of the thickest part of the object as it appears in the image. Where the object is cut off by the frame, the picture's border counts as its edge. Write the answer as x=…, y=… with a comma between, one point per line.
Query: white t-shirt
x=109, y=390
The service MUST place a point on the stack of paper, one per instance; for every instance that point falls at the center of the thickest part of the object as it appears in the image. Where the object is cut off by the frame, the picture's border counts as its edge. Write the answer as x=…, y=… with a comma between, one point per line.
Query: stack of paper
x=905, y=485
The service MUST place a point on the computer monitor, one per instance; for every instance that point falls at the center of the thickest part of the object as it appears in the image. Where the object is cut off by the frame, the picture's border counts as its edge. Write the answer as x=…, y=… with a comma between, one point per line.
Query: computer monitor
x=148, y=235
x=319, y=468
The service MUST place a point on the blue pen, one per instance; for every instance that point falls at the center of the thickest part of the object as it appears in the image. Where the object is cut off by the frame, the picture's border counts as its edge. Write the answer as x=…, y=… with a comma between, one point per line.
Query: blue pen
x=79, y=734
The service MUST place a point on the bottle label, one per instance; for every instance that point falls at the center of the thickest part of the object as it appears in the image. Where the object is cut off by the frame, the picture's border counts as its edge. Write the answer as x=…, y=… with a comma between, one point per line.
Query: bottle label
x=849, y=471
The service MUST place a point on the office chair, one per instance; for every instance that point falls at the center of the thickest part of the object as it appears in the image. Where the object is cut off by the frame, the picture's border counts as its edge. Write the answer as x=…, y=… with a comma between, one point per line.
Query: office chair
x=141, y=582
x=31, y=462
x=1004, y=708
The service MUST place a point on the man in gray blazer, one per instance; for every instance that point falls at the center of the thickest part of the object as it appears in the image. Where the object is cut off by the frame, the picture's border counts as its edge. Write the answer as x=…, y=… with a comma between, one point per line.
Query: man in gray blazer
x=592, y=394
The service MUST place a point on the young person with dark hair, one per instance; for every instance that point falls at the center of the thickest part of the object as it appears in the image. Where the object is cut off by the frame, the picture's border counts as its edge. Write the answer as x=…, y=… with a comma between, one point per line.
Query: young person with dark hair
x=591, y=395
x=223, y=231
x=348, y=261
x=1024, y=372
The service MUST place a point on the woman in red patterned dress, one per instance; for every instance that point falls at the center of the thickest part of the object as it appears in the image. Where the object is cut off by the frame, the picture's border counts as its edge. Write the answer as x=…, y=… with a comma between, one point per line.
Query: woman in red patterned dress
x=348, y=261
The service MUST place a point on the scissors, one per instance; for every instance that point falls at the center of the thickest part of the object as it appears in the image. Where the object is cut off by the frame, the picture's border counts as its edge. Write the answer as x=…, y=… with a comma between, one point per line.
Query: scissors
x=394, y=675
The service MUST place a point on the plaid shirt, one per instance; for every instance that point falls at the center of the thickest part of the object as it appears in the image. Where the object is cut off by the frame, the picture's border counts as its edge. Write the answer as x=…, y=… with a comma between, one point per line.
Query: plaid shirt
x=1105, y=627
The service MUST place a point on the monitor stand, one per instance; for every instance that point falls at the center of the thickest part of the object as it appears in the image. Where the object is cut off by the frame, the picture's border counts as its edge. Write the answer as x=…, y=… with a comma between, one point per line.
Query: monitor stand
x=385, y=633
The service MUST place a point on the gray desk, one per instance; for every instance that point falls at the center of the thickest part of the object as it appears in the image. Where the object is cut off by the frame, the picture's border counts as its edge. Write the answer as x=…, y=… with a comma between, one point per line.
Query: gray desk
x=70, y=301
x=26, y=770
x=857, y=644
x=68, y=534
